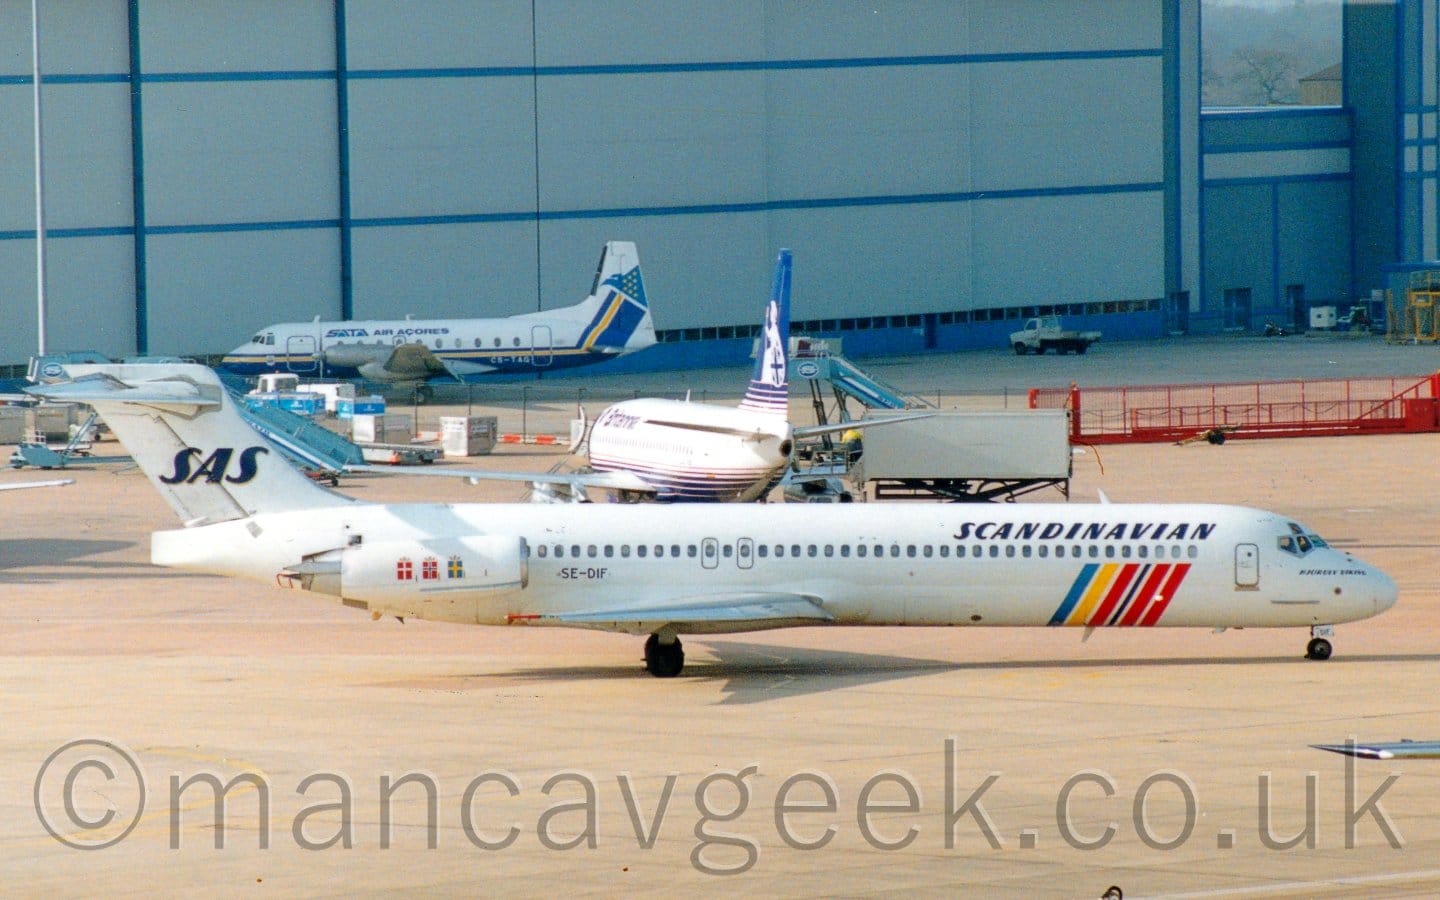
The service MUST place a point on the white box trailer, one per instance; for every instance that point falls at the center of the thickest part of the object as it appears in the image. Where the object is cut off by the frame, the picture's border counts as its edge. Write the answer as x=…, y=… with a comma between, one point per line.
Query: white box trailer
x=965, y=455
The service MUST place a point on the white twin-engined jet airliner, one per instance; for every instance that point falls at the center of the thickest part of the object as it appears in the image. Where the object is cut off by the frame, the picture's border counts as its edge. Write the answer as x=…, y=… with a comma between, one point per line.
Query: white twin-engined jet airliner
x=612, y=321
x=689, y=569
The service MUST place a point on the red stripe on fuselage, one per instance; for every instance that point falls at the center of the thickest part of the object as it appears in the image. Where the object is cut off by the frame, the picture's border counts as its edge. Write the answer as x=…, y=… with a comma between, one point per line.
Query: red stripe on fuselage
x=1147, y=592
x=1117, y=590
x=1167, y=593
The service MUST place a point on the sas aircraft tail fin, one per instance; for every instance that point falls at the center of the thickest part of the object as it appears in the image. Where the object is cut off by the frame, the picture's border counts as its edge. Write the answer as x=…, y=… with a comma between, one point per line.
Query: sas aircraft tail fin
x=769, y=389
x=182, y=428
x=616, y=314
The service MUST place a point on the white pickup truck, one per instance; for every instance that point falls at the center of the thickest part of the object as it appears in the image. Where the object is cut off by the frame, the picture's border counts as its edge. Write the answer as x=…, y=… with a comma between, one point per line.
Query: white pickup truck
x=1045, y=333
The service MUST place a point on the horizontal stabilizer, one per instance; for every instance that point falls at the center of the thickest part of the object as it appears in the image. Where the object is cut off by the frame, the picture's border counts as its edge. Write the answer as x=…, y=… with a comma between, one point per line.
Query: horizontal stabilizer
x=1385, y=750
x=723, y=609
x=103, y=387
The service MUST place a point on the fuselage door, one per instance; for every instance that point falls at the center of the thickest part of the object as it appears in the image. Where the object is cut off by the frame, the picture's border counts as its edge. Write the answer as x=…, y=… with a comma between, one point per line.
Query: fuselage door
x=710, y=553
x=1247, y=565
x=542, y=344
x=300, y=353
x=745, y=553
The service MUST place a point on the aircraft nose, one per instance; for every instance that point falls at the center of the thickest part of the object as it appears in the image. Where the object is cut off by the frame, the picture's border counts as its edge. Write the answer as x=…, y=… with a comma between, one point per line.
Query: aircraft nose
x=1386, y=593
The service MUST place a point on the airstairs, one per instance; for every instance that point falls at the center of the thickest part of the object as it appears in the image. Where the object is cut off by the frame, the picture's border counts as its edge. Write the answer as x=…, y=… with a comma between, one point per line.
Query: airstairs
x=307, y=443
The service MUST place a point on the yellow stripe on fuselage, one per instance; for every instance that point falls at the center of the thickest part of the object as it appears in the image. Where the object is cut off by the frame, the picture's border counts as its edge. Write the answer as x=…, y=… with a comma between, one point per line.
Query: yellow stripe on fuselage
x=1098, y=586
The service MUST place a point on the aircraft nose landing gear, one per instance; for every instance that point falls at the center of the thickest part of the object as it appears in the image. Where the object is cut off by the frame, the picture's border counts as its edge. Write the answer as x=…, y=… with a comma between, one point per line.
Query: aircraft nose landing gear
x=664, y=659
x=1319, y=648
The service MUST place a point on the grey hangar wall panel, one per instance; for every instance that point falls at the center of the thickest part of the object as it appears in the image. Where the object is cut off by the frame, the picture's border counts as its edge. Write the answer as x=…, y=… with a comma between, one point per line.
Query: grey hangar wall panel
x=89, y=286
x=89, y=295
x=75, y=38
x=240, y=152
x=866, y=132
x=1066, y=123
x=621, y=32
x=467, y=269
x=212, y=291
x=1053, y=26
x=229, y=36
x=876, y=260
x=87, y=157
x=1075, y=249
x=88, y=181
x=441, y=146
x=437, y=34
x=626, y=141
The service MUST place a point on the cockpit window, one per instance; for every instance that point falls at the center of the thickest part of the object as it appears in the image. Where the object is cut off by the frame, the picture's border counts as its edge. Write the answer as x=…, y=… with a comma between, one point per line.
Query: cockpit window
x=1299, y=541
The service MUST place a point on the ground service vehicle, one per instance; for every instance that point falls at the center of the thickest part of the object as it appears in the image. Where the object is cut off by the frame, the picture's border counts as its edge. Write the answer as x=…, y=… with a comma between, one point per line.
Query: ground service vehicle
x=1046, y=333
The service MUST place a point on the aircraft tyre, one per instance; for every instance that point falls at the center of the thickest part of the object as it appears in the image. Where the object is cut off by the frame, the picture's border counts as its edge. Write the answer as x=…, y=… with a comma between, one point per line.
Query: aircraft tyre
x=663, y=660
x=1317, y=649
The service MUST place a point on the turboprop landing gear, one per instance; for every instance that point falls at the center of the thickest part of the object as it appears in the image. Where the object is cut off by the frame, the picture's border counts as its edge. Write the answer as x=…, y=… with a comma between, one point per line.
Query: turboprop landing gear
x=1319, y=647
x=662, y=659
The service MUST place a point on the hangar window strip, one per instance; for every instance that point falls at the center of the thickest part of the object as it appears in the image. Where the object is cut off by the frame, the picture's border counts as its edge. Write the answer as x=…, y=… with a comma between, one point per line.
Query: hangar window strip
x=914, y=320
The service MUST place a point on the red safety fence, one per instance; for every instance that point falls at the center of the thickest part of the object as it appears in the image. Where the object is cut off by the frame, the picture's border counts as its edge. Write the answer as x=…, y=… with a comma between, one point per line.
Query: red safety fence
x=1175, y=412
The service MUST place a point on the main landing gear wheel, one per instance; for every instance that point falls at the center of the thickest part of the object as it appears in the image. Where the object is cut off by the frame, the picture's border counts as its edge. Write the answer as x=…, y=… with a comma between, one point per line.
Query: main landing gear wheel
x=1318, y=648
x=663, y=660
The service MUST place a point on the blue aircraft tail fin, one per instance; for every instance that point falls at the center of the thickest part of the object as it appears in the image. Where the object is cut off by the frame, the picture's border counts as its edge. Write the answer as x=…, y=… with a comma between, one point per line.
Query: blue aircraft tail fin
x=769, y=389
x=620, y=318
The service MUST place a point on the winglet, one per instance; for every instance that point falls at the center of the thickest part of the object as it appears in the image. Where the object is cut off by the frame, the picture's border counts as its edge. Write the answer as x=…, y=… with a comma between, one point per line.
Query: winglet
x=769, y=389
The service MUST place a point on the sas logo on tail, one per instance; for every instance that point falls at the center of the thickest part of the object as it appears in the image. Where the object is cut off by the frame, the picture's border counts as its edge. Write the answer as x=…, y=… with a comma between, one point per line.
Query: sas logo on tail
x=214, y=467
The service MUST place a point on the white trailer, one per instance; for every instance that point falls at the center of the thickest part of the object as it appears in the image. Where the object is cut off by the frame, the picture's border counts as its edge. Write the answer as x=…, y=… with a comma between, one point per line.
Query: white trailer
x=966, y=455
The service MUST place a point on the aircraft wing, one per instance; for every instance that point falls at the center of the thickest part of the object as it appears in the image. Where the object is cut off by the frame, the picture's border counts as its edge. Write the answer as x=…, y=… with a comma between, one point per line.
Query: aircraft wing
x=1385, y=750
x=711, y=614
x=414, y=360
x=614, y=481
x=806, y=431
x=465, y=371
x=713, y=429
x=22, y=485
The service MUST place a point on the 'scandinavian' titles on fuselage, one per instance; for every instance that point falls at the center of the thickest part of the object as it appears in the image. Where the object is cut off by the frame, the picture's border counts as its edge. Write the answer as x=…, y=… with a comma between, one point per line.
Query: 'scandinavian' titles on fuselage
x=614, y=320
x=710, y=569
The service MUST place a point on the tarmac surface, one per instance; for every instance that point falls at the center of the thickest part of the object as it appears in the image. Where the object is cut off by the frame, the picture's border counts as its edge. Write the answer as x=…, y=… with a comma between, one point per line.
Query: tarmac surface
x=804, y=762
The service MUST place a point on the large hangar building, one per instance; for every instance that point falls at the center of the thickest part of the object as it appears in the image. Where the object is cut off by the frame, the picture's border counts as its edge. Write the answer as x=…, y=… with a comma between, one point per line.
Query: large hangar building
x=941, y=169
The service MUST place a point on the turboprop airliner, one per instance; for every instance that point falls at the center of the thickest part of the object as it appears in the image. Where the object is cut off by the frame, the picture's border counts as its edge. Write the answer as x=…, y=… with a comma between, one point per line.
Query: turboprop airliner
x=612, y=321
x=673, y=450
x=692, y=569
